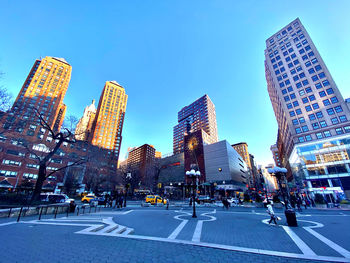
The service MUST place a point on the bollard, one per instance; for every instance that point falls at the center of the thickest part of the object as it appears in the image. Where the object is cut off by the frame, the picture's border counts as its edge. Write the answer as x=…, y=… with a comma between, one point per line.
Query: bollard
x=10, y=212
x=56, y=211
x=41, y=211
x=83, y=209
x=19, y=215
x=68, y=207
x=99, y=208
x=46, y=210
x=90, y=209
x=95, y=208
x=78, y=210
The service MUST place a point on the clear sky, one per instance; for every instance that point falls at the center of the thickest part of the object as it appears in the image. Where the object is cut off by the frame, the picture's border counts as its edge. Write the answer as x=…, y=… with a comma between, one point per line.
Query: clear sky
x=166, y=54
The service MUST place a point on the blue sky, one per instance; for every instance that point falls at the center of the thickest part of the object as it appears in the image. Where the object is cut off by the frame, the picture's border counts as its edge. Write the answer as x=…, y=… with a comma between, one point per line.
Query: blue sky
x=168, y=53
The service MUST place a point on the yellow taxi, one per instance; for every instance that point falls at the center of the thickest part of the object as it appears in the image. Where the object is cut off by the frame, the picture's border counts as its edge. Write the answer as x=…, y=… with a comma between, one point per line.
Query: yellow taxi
x=152, y=199
x=88, y=198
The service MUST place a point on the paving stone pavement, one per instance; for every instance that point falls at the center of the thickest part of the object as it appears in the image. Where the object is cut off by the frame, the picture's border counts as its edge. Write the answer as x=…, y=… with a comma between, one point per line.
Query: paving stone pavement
x=41, y=243
x=32, y=242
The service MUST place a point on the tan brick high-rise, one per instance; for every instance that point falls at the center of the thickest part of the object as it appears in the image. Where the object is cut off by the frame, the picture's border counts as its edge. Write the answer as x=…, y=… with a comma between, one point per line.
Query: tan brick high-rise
x=108, y=124
x=44, y=90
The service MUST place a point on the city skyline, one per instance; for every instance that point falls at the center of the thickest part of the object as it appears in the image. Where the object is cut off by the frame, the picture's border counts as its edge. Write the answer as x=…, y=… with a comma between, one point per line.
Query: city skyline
x=166, y=103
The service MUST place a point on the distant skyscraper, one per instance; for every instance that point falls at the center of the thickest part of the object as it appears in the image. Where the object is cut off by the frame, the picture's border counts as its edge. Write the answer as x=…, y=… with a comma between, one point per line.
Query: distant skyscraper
x=242, y=149
x=201, y=114
x=308, y=106
x=44, y=90
x=142, y=159
x=84, y=126
x=108, y=124
x=275, y=155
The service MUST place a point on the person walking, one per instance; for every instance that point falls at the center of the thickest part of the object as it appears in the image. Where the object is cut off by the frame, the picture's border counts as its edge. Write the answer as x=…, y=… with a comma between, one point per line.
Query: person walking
x=299, y=204
x=303, y=202
x=271, y=213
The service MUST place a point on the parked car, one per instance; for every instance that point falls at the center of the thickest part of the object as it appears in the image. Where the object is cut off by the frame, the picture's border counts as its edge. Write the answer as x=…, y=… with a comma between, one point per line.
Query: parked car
x=233, y=201
x=152, y=199
x=88, y=198
x=55, y=198
x=100, y=200
x=205, y=199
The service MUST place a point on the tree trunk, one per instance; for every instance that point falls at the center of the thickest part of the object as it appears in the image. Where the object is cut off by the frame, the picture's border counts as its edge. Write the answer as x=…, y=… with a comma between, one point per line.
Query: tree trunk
x=39, y=182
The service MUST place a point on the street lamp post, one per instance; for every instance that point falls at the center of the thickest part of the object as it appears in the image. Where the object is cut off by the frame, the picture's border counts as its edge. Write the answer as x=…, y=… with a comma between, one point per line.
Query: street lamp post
x=194, y=175
x=279, y=172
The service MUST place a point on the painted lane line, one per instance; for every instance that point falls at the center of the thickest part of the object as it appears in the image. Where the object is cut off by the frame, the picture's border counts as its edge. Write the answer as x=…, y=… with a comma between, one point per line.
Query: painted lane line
x=300, y=243
x=8, y=223
x=177, y=230
x=342, y=251
x=198, y=231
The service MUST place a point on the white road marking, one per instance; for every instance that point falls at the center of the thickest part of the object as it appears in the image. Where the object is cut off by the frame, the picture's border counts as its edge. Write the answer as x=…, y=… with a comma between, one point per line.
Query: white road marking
x=179, y=228
x=8, y=223
x=342, y=251
x=300, y=243
x=198, y=231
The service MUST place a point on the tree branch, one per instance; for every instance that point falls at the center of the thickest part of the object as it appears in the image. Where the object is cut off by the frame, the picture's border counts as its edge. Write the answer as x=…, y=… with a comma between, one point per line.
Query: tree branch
x=78, y=162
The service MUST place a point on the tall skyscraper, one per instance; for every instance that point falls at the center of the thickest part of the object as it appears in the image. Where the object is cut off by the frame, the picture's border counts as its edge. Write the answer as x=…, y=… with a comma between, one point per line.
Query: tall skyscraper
x=84, y=126
x=108, y=124
x=309, y=108
x=44, y=90
x=201, y=114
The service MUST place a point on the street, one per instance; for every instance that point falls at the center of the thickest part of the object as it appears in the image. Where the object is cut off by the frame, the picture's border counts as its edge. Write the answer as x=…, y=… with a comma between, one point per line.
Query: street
x=153, y=234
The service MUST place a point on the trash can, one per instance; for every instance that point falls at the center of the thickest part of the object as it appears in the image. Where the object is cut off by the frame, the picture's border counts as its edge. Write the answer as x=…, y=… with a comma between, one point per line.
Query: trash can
x=291, y=218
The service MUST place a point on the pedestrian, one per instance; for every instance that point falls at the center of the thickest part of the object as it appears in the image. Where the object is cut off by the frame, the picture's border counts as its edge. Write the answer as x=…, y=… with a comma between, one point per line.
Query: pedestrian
x=271, y=213
x=121, y=199
x=299, y=204
x=225, y=203
x=304, y=203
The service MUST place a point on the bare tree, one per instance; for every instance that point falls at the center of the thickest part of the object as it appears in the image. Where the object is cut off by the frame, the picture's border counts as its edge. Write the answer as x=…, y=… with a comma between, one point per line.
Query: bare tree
x=5, y=97
x=70, y=122
x=64, y=136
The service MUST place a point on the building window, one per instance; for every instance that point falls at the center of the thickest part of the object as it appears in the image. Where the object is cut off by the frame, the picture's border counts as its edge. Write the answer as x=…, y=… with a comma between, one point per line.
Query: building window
x=315, y=106
x=301, y=120
x=322, y=94
x=301, y=139
x=327, y=134
x=343, y=118
x=312, y=117
x=319, y=114
x=330, y=111
x=315, y=125
x=319, y=135
x=326, y=102
x=308, y=137
x=339, y=131
x=335, y=120
x=323, y=124
x=338, y=109
x=308, y=108
x=347, y=129
x=305, y=128
x=298, y=130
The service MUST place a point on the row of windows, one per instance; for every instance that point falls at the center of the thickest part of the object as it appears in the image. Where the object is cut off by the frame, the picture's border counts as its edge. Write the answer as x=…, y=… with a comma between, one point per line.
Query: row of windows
x=8, y=173
x=325, y=134
x=11, y=162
